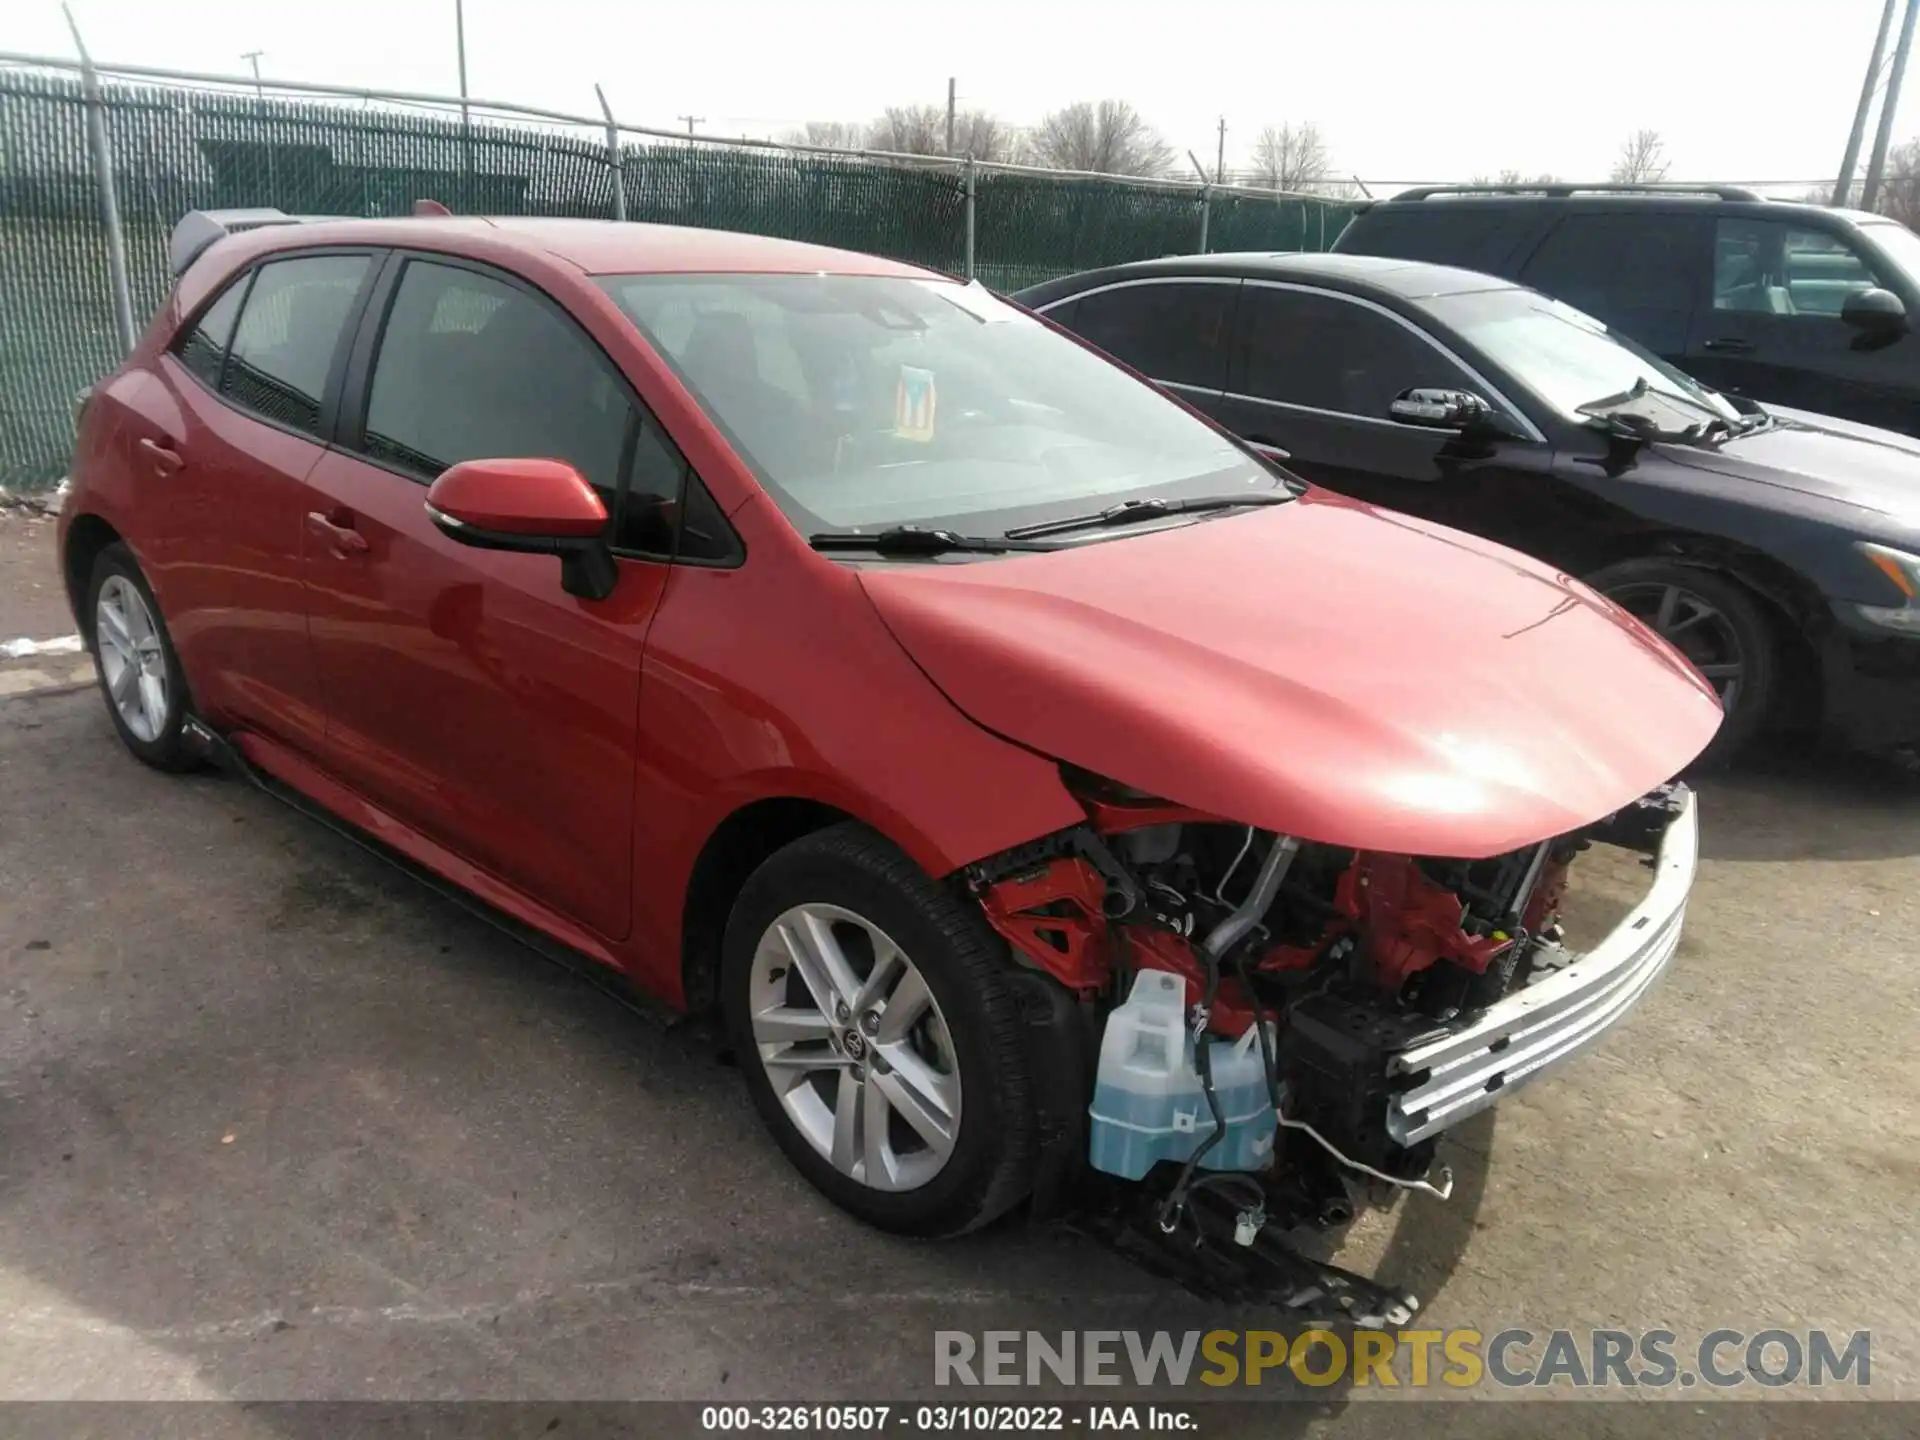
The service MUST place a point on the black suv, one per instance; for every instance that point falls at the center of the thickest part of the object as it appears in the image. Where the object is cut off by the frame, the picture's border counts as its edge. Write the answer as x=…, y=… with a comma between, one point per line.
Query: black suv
x=1787, y=303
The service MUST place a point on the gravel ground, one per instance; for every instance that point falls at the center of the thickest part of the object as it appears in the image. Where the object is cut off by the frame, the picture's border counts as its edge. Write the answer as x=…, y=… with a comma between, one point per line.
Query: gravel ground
x=277, y=1123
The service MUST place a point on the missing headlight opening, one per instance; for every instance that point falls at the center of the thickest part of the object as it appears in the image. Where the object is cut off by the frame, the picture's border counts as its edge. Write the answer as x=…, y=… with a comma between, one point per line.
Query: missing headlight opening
x=1284, y=1028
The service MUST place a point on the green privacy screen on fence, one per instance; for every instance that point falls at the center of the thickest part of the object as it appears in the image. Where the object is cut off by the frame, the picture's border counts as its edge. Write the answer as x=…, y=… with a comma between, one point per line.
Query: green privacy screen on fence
x=178, y=149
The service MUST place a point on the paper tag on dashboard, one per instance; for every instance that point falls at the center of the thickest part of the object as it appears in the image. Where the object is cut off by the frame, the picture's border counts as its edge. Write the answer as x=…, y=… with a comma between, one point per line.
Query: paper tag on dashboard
x=913, y=404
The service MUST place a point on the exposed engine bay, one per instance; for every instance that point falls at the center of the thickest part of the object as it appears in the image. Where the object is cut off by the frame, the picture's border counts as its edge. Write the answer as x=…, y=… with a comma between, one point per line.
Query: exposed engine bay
x=1328, y=968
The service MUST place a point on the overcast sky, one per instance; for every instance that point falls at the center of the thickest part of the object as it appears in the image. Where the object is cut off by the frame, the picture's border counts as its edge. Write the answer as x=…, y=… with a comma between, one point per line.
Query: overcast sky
x=1402, y=89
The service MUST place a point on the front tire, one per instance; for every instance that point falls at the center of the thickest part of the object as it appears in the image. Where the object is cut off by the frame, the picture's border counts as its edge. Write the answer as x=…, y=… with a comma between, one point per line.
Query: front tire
x=1719, y=625
x=878, y=1036
x=140, y=675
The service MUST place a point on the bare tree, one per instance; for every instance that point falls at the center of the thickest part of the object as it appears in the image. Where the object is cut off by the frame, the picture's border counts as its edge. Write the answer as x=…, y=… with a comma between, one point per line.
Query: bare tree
x=1514, y=177
x=922, y=130
x=910, y=130
x=1643, y=159
x=829, y=134
x=1109, y=137
x=1899, y=196
x=1291, y=157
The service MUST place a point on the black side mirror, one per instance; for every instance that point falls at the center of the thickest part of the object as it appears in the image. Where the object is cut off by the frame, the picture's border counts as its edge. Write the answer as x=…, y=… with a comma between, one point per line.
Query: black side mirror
x=1879, y=316
x=1440, y=409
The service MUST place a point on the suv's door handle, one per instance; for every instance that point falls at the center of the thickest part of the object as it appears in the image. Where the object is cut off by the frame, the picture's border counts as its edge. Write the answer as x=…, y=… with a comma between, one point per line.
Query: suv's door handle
x=1728, y=345
x=165, y=458
x=339, y=534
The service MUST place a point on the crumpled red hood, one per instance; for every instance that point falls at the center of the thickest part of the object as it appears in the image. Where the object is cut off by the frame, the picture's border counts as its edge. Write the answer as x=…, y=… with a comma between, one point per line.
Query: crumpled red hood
x=1336, y=672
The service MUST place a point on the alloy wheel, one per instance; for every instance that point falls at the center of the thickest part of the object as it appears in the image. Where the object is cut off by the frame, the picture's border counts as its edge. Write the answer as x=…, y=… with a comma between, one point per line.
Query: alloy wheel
x=1695, y=627
x=855, y=1047
x=131, y=658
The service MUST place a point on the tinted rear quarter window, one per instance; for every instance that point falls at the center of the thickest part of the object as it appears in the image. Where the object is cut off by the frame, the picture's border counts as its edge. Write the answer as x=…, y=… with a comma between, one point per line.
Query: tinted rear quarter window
x=1303, y=348
x=203, y=348
x=1443, y=232
x=284, y=345
x=1169, y=330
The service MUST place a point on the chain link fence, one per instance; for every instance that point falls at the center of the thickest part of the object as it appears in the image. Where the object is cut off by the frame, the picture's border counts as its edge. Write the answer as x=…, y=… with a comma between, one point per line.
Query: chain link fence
x=178, y=147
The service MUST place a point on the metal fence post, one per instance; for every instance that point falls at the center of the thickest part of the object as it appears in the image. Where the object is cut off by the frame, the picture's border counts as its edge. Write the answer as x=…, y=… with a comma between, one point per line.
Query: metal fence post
x=1206, y=214
x=102, y=151
x=970, y=217
x=613, y=157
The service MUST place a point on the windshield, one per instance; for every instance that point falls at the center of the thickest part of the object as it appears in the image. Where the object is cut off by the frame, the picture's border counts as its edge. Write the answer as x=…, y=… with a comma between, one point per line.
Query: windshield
x=879, y=401
x=1567, y=358
x=1898, y=244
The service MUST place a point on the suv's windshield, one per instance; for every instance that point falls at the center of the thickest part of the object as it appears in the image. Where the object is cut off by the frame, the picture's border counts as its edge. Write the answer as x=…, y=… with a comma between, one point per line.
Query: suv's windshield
x=870, y=401
x=1569, y=359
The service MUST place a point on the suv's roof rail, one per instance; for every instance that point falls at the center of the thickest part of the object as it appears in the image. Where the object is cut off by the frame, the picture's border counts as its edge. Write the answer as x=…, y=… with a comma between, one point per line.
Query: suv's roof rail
x=1560, y=189
x=200, y=228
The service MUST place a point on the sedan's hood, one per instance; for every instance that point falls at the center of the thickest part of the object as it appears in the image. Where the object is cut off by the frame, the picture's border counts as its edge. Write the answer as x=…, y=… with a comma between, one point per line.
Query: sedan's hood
x=1323, y=669
x=1817, y=455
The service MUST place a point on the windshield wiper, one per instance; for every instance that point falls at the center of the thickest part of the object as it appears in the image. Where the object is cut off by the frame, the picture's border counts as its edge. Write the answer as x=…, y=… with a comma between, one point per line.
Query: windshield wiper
x=1153, y=507
x=915, y=540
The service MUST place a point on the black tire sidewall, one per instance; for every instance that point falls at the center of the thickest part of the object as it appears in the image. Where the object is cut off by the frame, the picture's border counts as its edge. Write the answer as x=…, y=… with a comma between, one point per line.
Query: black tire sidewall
x=851, y=867
x=1745, y=615
x=167, y=750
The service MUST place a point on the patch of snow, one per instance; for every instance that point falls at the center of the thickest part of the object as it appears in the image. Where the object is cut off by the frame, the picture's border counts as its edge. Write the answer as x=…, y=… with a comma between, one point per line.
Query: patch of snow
x=60, y=645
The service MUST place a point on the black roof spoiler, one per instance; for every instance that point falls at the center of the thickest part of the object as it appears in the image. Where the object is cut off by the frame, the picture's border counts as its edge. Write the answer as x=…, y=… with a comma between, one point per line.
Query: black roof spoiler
x=200, y=228
x=1560, y=190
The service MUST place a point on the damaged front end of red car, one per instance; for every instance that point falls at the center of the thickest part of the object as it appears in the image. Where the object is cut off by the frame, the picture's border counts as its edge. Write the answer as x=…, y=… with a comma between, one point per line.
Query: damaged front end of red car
x=1386, y=996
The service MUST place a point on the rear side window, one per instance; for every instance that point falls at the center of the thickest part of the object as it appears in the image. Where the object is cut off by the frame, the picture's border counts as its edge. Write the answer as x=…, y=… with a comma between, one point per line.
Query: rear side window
x=1441, y=232
x=1618, y=263
x=203, y=349
x=284, y=345
x=1301, y=348
x=472, y=368
x=1168, y=330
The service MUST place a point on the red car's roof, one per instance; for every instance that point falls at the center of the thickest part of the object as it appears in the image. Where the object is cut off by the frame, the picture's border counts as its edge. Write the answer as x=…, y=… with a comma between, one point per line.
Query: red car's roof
x=604, y=247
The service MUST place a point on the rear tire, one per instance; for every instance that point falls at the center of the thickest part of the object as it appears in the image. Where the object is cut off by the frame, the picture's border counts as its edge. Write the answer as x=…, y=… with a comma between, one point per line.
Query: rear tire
x=140, y=676
x=912, y=1106
x=1719, y=625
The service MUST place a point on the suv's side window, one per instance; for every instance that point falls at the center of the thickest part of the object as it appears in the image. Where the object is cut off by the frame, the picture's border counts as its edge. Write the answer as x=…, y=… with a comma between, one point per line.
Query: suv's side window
x=1639, y=272
x=1300, y=347
x=284, y=345
x=471, y=367
x=1168, y=330
x=203, y=348
x=1768, y=267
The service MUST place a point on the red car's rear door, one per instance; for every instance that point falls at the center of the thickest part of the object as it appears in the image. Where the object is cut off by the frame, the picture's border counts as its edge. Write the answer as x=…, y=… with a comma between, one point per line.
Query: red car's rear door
x=230, y=424
x=467, y=693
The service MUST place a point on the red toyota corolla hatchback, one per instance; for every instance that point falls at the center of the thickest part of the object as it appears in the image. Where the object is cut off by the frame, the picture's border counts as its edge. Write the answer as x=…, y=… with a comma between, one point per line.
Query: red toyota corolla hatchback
x=826, y=643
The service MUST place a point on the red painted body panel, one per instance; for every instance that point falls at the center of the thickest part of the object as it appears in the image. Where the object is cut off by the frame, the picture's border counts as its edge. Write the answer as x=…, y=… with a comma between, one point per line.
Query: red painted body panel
x=470, y=696
x=1318, y=668
x=1322, y=669
x=520, y=497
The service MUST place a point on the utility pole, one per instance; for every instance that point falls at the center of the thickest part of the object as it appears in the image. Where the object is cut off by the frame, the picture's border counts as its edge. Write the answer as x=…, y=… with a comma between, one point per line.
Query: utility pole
x=460, y=44
x=1220, y=160
x=1854, y=136
x=692, y=120
x=1889, y=103
x=252, y=57
x=952, y=98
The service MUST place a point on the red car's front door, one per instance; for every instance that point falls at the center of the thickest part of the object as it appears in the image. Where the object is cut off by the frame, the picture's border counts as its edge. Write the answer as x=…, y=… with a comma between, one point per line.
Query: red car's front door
x=467, y=693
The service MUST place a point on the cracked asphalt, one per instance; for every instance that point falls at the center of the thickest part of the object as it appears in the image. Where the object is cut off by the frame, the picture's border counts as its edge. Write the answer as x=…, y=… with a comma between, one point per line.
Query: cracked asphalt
x=277, y=1123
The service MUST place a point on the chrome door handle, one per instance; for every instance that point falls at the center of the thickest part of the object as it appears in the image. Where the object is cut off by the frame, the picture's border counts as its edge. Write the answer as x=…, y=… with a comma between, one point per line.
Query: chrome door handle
x=1728, y=345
